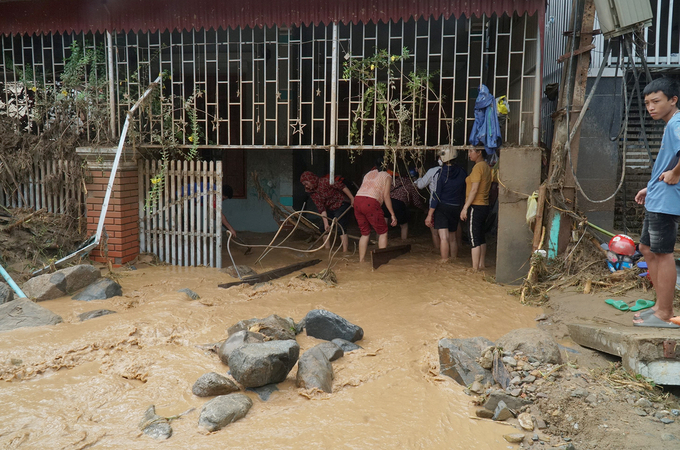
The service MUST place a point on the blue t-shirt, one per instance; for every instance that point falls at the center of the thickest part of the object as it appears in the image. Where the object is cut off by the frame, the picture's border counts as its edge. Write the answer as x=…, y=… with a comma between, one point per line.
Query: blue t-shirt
x=661, y=196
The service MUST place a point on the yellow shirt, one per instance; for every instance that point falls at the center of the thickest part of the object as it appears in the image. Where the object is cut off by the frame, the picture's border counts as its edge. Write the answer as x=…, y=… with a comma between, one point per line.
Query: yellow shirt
x=481, y=173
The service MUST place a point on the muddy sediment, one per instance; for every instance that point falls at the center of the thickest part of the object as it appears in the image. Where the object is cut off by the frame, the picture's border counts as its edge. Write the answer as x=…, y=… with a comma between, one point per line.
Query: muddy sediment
x=82, y=382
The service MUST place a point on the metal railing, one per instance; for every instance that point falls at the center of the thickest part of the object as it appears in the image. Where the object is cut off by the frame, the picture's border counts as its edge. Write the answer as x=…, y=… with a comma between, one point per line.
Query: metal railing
x=271, y=87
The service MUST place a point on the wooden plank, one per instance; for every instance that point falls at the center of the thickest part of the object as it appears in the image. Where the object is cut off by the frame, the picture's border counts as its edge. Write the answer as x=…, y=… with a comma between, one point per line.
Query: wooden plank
x=272, y=274
x=383, y=255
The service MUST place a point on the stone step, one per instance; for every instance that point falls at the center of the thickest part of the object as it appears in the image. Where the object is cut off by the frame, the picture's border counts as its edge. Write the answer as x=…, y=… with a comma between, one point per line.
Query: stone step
x=650, y=352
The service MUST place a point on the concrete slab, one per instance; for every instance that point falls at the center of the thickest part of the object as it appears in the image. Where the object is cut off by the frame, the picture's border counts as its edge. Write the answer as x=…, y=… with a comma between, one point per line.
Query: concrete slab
x=651, y=352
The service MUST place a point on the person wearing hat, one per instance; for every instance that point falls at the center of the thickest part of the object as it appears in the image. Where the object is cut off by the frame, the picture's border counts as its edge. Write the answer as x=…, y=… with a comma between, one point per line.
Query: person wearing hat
x=446, y=203
x=331, y=201
x=476, y=208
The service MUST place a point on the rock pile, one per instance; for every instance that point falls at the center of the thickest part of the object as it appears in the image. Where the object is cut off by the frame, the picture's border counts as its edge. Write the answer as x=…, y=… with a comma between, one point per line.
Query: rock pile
x=521, y=379
x=261, y=353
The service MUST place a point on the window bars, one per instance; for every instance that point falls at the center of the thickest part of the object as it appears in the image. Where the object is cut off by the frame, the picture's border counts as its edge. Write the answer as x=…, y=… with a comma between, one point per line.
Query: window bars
x=271, y=87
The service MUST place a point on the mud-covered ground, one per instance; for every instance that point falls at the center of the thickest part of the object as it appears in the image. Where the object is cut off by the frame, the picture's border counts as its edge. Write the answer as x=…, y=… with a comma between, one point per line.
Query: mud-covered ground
x=87, y=384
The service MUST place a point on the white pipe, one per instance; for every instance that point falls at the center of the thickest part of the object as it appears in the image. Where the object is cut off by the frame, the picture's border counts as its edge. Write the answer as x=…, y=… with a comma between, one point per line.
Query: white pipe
x=538, y=90
x=116, y=160
x=334, y=102
x=114, y=168
x=112, y=82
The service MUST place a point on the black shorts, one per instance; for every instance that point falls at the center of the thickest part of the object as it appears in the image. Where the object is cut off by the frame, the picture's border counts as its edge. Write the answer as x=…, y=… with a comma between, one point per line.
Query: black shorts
x=333, y=213
x=659, y=232
x=446, y=217
x=400, y=211
x=476, y=219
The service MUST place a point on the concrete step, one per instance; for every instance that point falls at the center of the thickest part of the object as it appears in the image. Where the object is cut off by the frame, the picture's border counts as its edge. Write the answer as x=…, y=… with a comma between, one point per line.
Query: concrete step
x=650, y=352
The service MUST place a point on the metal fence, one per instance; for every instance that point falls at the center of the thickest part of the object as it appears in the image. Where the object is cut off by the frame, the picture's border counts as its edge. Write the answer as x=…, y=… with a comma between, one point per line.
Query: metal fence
x=271, y=87
x=180, y=211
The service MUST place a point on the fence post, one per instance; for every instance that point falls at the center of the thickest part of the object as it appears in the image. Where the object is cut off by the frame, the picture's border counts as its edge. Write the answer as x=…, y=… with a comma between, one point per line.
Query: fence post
x=122, y=219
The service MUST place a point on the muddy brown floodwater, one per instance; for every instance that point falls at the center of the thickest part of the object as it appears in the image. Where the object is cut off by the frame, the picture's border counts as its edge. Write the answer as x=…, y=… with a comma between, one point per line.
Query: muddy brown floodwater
x=87, y=384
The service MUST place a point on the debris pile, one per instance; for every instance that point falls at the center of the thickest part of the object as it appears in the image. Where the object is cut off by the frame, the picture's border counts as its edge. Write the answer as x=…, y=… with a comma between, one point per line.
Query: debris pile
x=549, y=399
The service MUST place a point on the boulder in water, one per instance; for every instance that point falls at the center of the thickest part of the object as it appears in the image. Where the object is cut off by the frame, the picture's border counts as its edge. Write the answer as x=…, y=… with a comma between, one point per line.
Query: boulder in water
x=323, y=324
x=235, y=341
x=259, y=364
x=100, y=290
x=273, y=326
x=315, y=371
x=24, y=313
x=211, y=384
x=223, y=410
x=62, y=282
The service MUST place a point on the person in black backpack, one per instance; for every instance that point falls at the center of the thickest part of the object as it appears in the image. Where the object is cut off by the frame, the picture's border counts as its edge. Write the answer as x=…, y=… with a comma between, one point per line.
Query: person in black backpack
x=447, y=201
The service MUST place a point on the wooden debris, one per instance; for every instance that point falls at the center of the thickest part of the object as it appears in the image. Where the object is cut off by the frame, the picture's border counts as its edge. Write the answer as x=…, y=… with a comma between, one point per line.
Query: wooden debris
x=383, y=255
x=272, y=274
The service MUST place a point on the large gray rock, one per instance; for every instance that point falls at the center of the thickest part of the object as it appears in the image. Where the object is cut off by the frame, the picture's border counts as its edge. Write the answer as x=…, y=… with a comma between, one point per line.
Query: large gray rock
x=258, y=364
x=94, y=314
x=235, y=341
x=315, y=371
x=532, y=342
x=6, y=293
x=458, y=359
x=154, y=425
x=330, y=349
x=21, y=313
x=273, y=326
x=496, y=397
x=100, y=290
x=323, y=324
x=77, y=277
x=223, y=410
x=61, y=282
x=211, y=384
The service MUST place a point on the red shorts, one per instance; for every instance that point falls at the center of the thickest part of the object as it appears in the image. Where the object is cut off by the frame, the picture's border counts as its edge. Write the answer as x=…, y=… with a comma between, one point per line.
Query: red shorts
x=369, y=214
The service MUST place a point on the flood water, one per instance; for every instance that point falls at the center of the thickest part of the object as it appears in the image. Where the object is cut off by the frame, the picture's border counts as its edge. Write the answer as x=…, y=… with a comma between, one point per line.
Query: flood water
x=87, y=384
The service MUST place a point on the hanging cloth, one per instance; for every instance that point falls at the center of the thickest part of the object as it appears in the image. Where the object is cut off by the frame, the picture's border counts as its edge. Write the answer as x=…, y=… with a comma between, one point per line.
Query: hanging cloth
x=486, y=130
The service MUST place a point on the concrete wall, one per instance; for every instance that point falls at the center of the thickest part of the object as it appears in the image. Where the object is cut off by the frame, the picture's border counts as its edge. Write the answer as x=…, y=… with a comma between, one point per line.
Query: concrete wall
x=275, y=169
x=520, y=171
x=598, y=157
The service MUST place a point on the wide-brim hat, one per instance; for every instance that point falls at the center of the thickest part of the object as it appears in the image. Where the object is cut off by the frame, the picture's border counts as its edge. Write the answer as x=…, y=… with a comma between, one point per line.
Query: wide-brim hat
x=446, y=154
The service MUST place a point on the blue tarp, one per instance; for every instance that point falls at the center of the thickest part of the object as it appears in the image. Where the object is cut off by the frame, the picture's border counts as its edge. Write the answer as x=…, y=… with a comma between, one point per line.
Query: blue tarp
x=486, y=130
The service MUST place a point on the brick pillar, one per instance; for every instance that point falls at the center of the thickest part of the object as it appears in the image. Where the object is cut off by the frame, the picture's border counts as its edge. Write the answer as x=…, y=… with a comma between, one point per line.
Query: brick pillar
x=122, y=217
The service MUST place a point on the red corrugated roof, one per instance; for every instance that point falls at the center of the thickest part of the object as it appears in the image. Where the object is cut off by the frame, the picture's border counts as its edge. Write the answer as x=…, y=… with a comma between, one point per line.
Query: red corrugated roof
x=45, y=16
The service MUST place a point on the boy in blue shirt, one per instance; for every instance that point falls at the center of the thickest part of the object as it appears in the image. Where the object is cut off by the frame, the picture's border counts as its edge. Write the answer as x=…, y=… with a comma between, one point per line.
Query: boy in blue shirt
x=661, y=198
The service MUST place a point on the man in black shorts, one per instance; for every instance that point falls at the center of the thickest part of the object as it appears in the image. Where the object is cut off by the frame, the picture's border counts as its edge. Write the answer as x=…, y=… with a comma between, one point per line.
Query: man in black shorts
x=661, y=198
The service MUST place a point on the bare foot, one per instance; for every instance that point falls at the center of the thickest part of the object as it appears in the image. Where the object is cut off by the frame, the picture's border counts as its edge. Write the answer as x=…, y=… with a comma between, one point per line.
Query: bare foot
x=444, y=261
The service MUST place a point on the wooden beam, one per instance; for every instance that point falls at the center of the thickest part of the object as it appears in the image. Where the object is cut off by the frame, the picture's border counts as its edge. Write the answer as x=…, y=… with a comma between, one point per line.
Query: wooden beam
x=383, y=255
x=272, y=274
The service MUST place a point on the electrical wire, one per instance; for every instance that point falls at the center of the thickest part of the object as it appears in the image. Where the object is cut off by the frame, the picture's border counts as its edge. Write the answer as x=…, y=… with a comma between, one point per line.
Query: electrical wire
x=575, y=130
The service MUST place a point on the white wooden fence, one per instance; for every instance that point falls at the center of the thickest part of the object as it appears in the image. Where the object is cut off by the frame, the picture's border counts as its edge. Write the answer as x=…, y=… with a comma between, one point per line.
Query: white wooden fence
x=49, y=186
x=181, y=220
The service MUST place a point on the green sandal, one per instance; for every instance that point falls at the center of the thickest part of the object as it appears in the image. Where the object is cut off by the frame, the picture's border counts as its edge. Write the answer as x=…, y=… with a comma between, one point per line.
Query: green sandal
x=641, y=304
x=618, y=304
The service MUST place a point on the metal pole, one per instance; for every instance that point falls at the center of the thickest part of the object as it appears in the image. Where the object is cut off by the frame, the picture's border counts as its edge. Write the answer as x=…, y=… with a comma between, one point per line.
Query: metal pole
x=537, y=89
x=112, y=84
x=334, y=102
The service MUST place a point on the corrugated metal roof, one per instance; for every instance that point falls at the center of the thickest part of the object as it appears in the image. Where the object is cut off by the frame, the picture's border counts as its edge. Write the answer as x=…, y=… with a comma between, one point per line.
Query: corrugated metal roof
x=45, y=16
